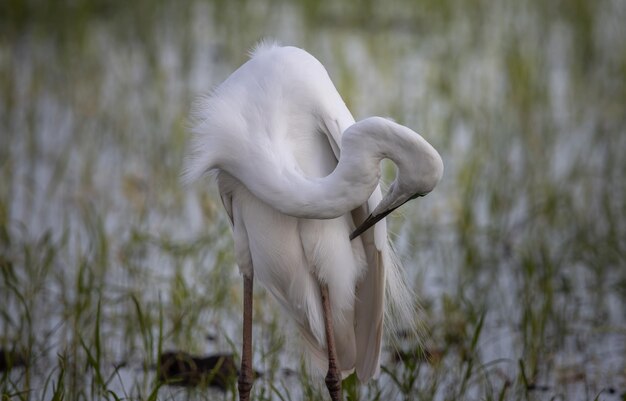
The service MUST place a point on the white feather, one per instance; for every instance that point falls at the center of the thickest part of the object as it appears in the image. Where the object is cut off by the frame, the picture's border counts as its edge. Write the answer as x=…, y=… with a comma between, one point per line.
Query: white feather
x=296, y=175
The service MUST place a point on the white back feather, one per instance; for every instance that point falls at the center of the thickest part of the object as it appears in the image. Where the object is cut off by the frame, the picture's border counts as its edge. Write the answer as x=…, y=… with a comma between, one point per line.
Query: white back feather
x=288, y=254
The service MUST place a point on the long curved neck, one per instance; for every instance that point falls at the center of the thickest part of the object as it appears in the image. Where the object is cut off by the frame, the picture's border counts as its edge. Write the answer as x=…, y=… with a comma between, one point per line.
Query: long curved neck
x=351, y=183
x=347, y=187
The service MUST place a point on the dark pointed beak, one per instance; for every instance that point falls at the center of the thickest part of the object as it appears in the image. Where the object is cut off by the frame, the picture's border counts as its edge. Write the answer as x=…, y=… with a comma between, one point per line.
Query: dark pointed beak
x=369, y=222
x=373, y=219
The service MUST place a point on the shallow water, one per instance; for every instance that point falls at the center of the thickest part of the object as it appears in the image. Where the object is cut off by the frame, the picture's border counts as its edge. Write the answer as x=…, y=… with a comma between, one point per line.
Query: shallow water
x=524, y=100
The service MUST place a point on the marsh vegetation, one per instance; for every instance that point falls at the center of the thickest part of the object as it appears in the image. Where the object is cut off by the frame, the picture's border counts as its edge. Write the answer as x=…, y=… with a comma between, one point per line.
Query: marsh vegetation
x=518, y=257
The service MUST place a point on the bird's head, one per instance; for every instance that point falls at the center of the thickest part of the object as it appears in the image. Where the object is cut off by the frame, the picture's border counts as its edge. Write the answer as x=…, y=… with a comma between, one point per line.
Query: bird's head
x=419, y=168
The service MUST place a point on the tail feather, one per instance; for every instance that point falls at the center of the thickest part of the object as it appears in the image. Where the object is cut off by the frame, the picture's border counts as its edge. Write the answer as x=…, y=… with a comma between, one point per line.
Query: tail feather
x=401, y=309
x=369, y=311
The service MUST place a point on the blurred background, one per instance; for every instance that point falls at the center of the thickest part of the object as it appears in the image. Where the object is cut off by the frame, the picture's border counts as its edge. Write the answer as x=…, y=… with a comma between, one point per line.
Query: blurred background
x=518, y=257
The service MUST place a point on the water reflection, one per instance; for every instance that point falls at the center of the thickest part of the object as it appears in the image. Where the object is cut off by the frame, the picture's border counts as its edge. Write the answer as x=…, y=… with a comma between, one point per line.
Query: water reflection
x=524, y=99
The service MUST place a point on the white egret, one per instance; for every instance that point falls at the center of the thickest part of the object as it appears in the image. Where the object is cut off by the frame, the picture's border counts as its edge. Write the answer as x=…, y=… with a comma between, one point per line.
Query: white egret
x=296, y=175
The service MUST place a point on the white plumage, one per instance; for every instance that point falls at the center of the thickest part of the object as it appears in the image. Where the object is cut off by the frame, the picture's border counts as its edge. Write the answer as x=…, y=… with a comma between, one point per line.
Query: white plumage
x=296, y=175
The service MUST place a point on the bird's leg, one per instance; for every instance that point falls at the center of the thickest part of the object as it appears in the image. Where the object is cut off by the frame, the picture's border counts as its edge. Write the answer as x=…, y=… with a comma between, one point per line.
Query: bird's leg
x=333, y=377
x=245, y=375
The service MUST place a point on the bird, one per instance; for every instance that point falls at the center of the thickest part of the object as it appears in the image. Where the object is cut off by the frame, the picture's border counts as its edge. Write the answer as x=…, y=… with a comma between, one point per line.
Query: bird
x=300, y=181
